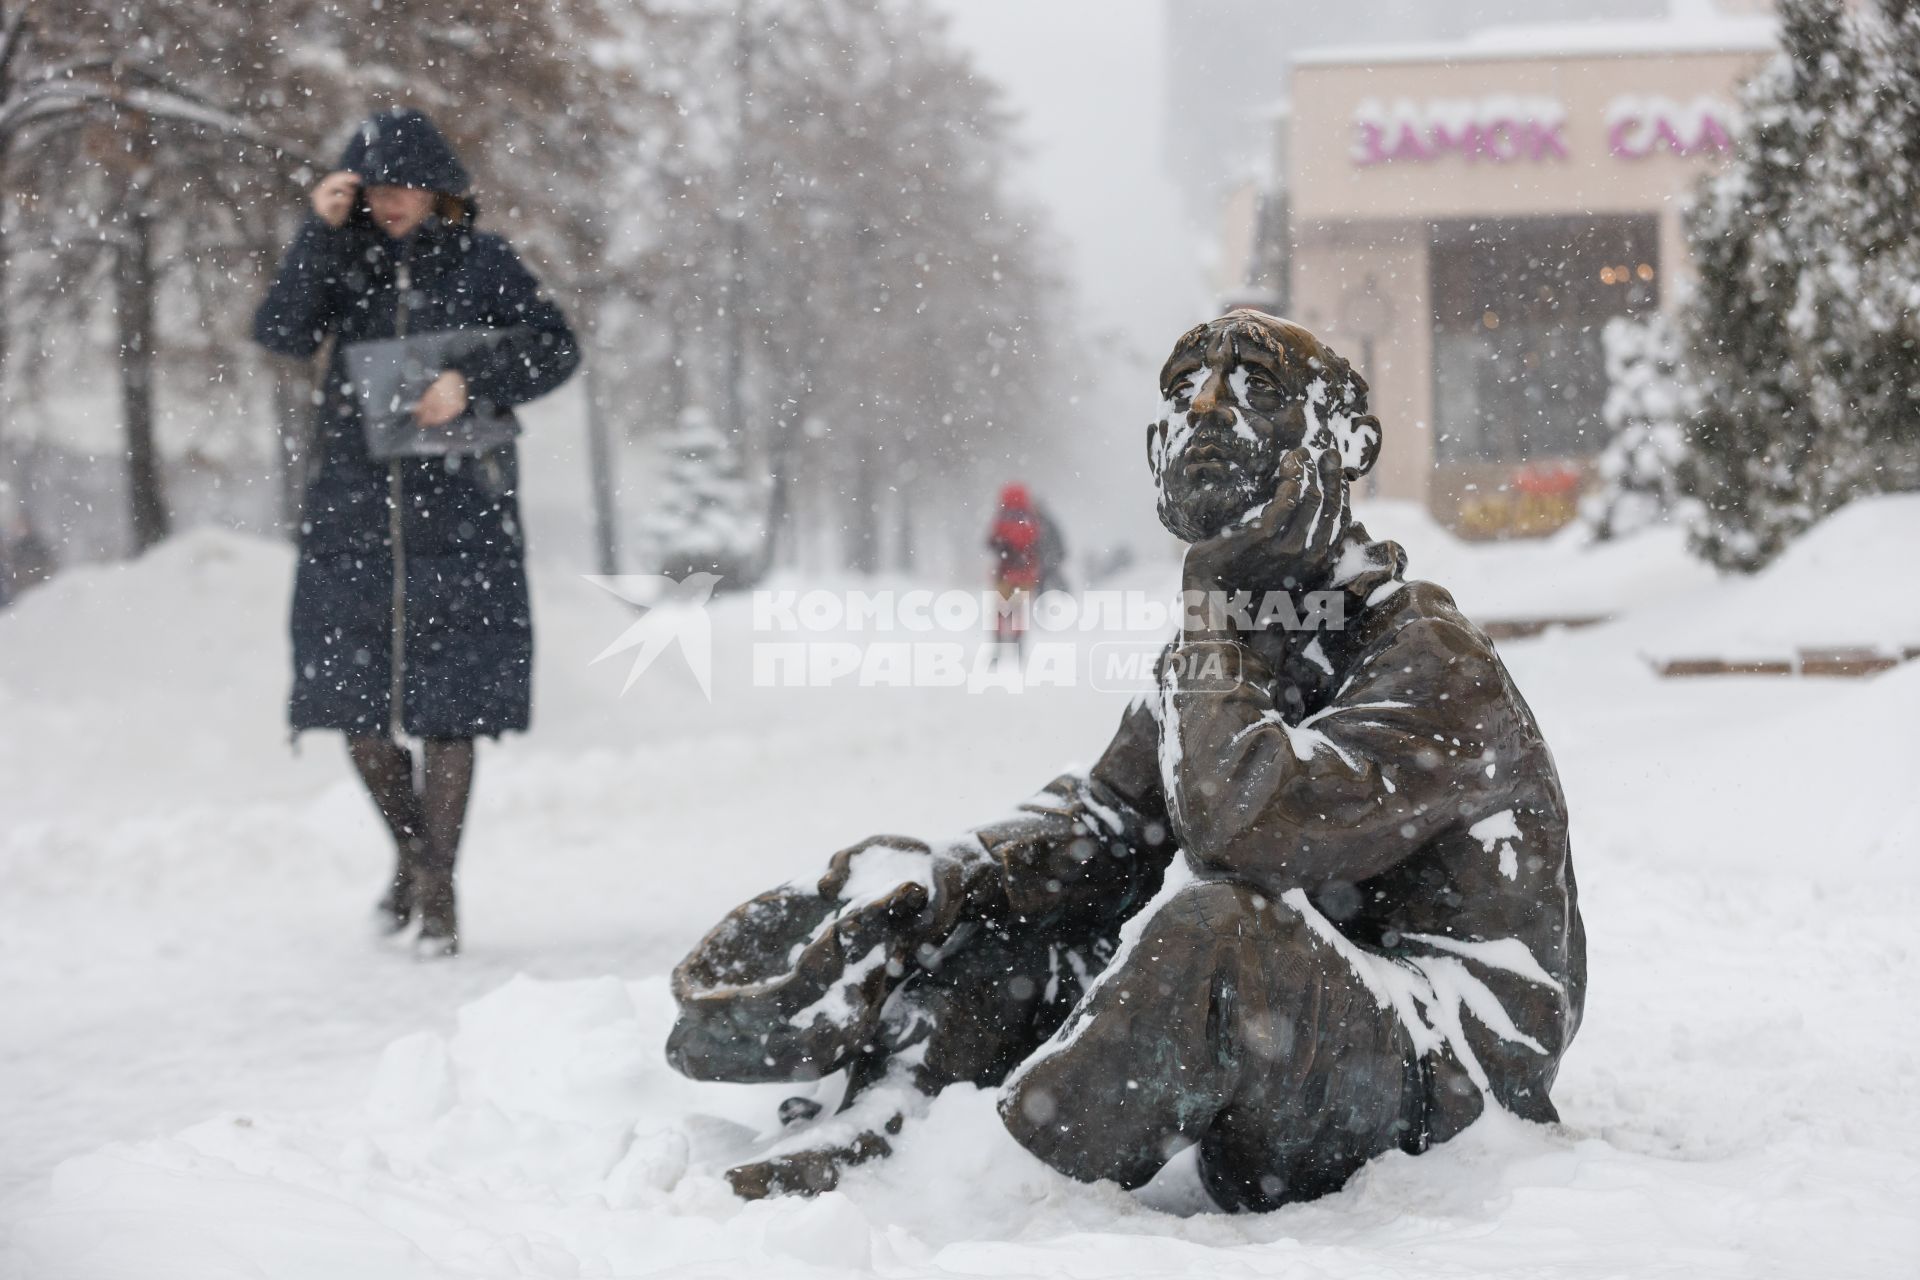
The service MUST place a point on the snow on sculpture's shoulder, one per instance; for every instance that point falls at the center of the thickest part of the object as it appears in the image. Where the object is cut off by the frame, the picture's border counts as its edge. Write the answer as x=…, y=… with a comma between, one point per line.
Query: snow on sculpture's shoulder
x=1423, y=612
x=1393, y=618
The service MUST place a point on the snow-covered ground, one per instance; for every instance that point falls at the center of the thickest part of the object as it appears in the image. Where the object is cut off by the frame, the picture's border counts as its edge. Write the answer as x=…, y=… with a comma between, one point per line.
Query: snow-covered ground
x=207, y=1069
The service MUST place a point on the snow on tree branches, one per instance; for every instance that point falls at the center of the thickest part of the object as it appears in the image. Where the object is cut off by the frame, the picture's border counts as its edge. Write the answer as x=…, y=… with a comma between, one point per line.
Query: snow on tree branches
x=704, y=520
x=1803, y=330
x=1646, y=412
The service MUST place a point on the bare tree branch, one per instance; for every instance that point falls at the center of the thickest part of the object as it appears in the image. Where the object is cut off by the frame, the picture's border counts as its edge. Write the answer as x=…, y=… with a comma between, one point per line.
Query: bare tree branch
x=13, y=36
x=42, y=101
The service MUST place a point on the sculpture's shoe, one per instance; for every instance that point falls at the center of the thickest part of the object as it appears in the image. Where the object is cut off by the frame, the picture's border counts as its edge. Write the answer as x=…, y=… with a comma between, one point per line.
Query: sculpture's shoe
x=787, y=987
x=804, y=1173
x=798, y=1111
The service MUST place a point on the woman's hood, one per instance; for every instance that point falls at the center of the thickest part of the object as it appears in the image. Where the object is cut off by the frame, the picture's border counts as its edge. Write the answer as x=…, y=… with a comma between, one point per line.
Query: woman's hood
x=404, y=148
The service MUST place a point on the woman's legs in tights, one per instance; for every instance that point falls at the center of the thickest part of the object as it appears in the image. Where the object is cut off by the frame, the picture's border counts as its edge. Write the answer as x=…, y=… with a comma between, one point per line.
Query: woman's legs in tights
x=449, y=782
x=426, y=824
x=387, y=769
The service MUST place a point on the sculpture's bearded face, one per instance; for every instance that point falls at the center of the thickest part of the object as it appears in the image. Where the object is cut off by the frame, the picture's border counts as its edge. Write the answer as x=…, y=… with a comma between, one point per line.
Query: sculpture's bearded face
x=1239, y=394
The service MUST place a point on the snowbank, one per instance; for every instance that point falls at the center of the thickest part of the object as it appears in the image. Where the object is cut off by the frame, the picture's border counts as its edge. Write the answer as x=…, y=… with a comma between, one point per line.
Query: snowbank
x=1556, y=579
x=1848, y=582
x=546, y=1137
x=181, y=903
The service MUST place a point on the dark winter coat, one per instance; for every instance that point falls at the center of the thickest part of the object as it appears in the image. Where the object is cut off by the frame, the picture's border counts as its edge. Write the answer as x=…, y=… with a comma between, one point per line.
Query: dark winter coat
x=1053, y=552
x=1389, y=771
x=1372, y=935
x=464, y=640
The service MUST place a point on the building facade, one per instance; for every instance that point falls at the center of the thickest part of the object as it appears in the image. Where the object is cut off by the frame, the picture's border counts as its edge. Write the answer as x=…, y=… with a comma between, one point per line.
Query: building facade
x=1215, y=50
x=1463, y=219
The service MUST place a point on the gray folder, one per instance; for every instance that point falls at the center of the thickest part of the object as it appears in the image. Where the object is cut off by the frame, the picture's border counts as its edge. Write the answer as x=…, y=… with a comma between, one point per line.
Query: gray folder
x=391, y=374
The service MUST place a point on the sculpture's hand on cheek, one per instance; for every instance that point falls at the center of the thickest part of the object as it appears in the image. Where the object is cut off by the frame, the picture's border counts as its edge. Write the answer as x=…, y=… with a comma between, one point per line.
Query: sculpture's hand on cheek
x=1320, y=516
x=1254, y=550
x=1286, y=543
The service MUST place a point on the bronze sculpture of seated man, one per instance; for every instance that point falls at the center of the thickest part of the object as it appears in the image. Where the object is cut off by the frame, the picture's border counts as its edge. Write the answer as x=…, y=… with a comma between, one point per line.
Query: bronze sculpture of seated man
x=1313, y=903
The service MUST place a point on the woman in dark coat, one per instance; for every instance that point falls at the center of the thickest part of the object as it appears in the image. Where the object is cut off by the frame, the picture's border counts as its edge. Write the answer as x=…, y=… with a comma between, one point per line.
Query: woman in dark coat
x=443, y=650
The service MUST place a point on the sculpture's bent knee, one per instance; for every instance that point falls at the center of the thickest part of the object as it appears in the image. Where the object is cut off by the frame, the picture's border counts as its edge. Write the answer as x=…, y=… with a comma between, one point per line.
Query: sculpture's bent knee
x=1147, y=1060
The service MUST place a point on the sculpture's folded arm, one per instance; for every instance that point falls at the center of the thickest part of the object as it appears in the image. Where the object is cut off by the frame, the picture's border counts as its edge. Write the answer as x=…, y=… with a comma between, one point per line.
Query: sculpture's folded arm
x=1093, y=844
x=1410, y=744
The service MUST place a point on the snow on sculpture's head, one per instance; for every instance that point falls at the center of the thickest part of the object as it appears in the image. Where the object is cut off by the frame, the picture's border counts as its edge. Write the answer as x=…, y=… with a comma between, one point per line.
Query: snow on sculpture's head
x=1238, y=394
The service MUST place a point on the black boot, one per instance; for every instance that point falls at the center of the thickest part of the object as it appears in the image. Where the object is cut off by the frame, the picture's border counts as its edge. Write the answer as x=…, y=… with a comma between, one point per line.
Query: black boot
x=395, y=909
x=439, y=935
x=447, y=782
x=386, y=767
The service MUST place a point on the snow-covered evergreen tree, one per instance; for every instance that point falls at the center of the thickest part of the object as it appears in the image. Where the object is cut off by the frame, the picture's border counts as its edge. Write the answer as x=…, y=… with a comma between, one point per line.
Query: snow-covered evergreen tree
x=1747, y=451
x=704, y=521
x=1801, y=330
x=1646, y=412
x=1859, y=316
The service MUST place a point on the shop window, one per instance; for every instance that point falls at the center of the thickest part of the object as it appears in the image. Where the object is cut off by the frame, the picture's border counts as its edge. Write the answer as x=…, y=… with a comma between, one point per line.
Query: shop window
x=1518, y=309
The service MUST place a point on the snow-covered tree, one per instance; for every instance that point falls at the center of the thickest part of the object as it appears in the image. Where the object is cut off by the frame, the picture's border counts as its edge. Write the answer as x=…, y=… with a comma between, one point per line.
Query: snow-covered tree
x=794, y=212
x=108, y=142
x=1858, y=315
x=157, y=154
x=1646, y=412
x=1802, y=325
x=705, y=519
x=838, y=167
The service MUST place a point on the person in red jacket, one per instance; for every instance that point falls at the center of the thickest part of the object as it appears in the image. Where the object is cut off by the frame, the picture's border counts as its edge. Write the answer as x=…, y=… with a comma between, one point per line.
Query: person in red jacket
x=1015, y=540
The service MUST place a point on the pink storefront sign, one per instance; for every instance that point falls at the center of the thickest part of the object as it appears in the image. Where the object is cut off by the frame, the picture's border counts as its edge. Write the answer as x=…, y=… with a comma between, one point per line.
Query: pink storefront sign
x=1638, y=127
x=1501, y=128
x=1510, y=129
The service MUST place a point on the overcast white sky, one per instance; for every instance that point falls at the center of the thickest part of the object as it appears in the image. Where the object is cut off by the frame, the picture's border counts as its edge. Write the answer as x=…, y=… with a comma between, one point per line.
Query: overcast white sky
x=1087, y=78
x=1085, y=75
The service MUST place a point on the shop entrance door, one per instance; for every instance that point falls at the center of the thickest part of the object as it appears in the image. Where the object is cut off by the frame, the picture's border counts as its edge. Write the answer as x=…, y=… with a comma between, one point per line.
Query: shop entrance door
x=1519, y=375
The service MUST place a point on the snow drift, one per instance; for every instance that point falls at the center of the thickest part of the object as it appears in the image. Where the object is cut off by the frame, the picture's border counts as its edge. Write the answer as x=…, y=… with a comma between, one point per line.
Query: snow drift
x=181, y=905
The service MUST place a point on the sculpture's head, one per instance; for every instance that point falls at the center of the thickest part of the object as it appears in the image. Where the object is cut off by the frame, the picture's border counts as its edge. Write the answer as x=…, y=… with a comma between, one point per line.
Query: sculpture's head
x=1239, y=394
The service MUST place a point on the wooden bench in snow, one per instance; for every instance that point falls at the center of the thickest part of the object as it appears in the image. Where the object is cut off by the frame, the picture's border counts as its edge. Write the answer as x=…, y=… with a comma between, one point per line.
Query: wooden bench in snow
x=1807, y=662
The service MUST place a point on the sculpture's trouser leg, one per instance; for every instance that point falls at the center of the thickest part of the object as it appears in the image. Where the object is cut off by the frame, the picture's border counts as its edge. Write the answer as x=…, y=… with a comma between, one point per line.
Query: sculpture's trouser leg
x=1232, y=1024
